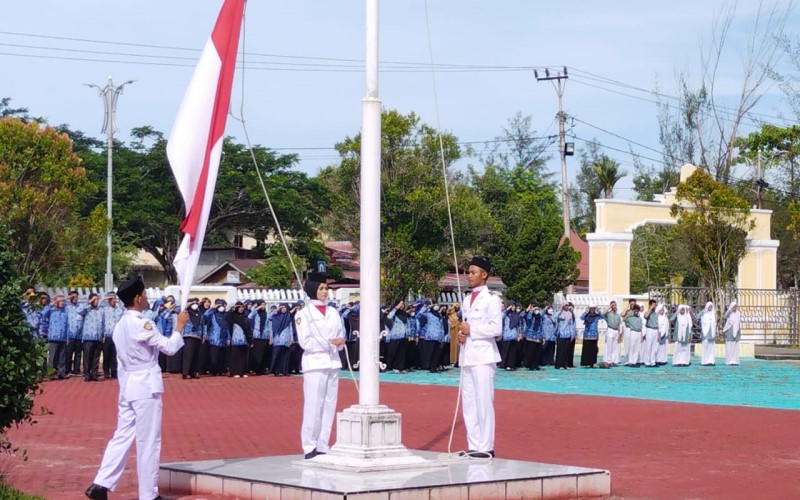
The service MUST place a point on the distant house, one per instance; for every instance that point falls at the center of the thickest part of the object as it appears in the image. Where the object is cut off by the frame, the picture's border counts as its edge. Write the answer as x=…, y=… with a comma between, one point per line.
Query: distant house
x=231, y=272
x=582, y=247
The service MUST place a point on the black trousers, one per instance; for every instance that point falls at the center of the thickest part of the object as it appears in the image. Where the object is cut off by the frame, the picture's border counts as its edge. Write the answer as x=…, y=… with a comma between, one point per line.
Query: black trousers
x=548, y=353
x=430, y=352
x=280, y=360
x=175, y=362
x=239, y=359
x=444, y=359
x=413, y=355
x=191, y=356
x=571, y=355
x=109, y=358
x=295, y=358
x=589, y=352
x=353, y=350
x=396, y=354
x=260, y=356
x=74, y=355
x=216, y=359
x=91, y=358
x=57, y=357
x=204, y=358
x=532, y=355
x=508, y=353
x=562, y=353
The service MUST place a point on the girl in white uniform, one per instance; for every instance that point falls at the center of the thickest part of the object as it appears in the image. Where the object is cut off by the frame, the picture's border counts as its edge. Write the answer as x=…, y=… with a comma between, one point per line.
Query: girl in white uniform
x=708, y=328
x=732, y=331
x=320, y=332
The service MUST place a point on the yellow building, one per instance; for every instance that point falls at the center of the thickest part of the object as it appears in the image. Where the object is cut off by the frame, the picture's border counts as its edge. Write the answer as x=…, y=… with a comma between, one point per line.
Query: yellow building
x=610, y=244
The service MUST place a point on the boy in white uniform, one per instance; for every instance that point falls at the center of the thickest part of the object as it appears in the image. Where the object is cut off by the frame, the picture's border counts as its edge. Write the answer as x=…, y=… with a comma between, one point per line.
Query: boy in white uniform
x=320, y=332
x=482, y=322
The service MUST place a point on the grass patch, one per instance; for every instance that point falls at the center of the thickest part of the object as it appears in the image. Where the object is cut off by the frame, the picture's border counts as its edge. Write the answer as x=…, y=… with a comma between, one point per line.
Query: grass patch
x=9, y=493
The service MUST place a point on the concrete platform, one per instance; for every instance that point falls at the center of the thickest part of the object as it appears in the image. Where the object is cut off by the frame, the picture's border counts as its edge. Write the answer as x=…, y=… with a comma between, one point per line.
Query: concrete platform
x=276, y=478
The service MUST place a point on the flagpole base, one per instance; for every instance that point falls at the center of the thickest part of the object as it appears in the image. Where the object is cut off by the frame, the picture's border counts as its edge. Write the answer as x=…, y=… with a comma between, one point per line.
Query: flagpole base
x=368, y=440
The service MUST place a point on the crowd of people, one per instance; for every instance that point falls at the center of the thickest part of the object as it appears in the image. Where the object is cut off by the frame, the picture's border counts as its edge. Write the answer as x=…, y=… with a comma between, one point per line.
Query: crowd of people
x=256, y=337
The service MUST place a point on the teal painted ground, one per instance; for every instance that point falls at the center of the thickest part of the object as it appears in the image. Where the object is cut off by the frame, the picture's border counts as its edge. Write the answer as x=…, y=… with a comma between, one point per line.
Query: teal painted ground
x=757, y=383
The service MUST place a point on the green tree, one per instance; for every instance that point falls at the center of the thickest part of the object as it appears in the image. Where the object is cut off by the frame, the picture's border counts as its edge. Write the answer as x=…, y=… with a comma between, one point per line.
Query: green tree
x=659, y=255
x=586, y=189
x=608, y=174
x=42, y=184
x=714, y=221
x=519, y=146
x=22, y=357
x=415, y=239
x=276, y=270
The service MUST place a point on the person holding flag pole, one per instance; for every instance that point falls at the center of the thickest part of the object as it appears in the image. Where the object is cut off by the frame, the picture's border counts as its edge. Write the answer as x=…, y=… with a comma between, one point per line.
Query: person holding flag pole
x=194, y=148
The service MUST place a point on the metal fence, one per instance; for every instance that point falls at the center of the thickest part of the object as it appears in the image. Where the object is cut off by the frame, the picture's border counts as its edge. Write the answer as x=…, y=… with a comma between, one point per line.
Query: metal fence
x=769, y=317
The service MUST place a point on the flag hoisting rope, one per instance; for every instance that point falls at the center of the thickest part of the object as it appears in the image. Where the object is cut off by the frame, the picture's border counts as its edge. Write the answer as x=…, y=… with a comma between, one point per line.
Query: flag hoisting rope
x=194, y=146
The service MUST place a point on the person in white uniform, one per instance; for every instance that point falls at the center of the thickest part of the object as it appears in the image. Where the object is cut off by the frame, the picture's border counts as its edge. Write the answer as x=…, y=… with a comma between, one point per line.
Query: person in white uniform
x=138, y=343
x=663, y=335
x=708, y=329
x=320, y=332
x=482, y=322
x=733, y=332
x=682, y=353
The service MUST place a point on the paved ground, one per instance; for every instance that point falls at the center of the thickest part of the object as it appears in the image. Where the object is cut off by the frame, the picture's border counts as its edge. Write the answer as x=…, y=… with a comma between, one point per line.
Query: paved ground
x=654, y=449
x=774, y=353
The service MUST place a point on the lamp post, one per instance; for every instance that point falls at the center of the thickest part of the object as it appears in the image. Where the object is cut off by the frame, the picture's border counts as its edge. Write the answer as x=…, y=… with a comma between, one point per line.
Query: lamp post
x=110, y=95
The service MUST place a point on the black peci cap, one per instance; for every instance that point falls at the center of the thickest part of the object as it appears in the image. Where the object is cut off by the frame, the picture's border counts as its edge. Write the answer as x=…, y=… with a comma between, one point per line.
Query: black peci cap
x=481, y=262
x=129, y=289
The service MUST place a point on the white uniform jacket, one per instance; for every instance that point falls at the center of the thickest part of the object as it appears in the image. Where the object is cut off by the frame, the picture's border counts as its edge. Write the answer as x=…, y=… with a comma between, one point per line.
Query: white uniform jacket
x=138, y=343
x=485, y=318
x=314, y=331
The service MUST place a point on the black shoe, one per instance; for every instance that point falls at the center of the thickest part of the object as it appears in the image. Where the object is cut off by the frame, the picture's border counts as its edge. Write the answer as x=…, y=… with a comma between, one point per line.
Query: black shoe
x=159, y=497
x=311, y=454
x=97, y=492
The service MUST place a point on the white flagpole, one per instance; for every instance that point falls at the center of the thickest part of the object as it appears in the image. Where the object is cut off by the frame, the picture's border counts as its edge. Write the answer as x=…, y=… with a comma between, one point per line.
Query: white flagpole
x=369, y=247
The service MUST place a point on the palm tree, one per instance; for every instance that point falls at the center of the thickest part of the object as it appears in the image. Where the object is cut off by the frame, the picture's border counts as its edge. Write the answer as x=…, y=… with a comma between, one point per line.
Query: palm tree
x=608, y=174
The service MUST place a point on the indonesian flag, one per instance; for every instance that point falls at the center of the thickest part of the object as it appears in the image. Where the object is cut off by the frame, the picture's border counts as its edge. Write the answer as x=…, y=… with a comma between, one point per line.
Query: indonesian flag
x=195, y=143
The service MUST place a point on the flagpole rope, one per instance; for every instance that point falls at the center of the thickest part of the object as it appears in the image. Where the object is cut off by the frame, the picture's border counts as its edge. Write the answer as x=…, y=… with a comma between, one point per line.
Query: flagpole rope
x=241, y=120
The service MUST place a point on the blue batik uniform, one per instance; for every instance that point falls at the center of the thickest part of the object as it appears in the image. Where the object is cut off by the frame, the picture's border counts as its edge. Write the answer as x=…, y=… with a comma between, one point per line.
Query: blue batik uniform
x=533, y=325
x=238, y=336
x=431, y=326
x=399, y=329
x=56, y=324
x=93, y=323
x=33, y=317
x=284, y=337
x=74, y=320
x=566, y=327
x=261, y=329
x=217, y=333
x=590, y=323
x=549, y=327
x=166, y=321
x=509, y=333
x=112, y=316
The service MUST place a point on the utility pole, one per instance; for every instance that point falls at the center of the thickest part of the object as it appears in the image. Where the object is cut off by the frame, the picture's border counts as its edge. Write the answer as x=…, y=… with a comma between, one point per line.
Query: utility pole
x=559, y=80
x=110, y=94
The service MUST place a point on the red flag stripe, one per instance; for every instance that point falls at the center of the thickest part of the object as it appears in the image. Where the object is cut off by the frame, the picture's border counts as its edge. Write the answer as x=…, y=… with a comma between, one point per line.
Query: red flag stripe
x=225, y=37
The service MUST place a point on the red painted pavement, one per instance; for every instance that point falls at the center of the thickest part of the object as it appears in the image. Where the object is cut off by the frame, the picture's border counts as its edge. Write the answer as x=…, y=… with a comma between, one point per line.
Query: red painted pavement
x=653, y=449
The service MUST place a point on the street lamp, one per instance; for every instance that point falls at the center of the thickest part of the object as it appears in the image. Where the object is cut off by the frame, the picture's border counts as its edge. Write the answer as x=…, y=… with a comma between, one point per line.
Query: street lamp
x=110, y=94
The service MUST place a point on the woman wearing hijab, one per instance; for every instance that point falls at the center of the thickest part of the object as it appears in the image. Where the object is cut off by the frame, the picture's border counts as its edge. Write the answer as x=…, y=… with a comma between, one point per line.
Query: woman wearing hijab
x=508, y=342
x=682, y=353
x=733, y=332
x=262, y=327
x=431, y=331
x=397, y=327
x=708, y=329
x=281, y=340
x=192, y=338
x=549, y=327
x=663, y=335
x=591, y=322
x=241, y=340
x=217, y=336
x=565, y=334
x=320, y=333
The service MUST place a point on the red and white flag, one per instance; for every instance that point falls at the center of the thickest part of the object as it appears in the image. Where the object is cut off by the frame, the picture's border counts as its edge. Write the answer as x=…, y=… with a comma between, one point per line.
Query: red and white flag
x=195, y=143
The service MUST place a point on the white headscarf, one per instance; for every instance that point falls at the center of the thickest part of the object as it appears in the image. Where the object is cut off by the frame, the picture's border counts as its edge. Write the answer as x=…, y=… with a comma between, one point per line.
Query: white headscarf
x=708, y=322
x=663, y=320
x=733, y=319
x=684, y=322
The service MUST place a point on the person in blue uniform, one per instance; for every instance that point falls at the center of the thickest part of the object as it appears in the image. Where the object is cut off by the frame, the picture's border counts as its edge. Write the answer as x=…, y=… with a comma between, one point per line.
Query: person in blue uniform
x=549, y=329
x=55, y=320
x=397, y=323
x=281, y=340
x=591, y=322
x=192, y=340
x=262, y=328
x=532, y=352
x=565, y=334
x=217, y=336
x=509, y=339
x=74, y=333
x=241, y=340
x=431, y=334
x=93, y=328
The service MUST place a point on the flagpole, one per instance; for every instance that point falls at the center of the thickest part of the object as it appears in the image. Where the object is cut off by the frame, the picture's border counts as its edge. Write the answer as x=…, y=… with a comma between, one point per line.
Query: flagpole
x=369, y=247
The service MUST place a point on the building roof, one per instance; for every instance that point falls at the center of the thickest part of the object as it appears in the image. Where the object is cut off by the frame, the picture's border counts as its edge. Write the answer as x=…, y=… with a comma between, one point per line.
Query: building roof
x=241, y=265
x=582, y=247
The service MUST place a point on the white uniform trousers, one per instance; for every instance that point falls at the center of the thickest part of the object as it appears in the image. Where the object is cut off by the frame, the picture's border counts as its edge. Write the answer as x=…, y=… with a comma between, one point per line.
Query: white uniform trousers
x=731, y=352
x=707, y=352
x=141, y=420
x=661, y=351
x=611, y=353
x=633, y=345
x=477, y=403
x=681, y=354
x=650, y=346
x=320, y=390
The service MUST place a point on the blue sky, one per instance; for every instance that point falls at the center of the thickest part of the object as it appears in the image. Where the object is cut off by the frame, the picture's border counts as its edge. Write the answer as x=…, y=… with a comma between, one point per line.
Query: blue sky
x=288, y=106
